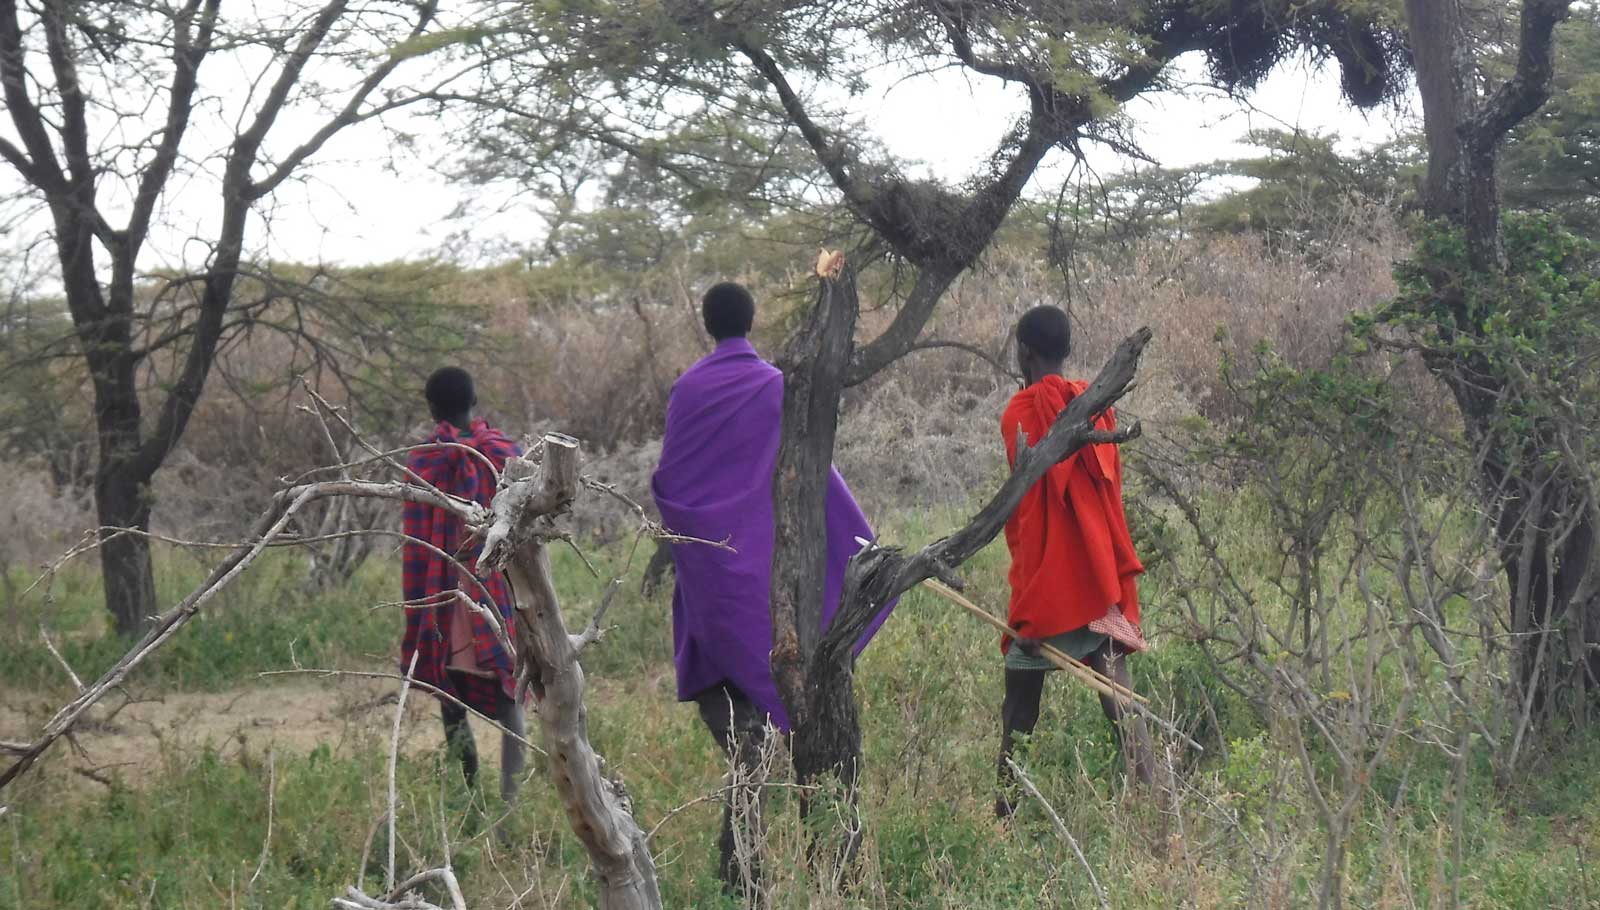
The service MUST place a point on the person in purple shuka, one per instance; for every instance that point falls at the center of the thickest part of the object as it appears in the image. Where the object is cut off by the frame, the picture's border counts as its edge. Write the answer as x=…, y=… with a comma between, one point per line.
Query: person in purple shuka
x=714, y=482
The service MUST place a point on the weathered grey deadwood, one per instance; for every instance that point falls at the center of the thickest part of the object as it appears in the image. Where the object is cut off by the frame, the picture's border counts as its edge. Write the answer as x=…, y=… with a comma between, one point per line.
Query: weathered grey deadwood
x=597, y=807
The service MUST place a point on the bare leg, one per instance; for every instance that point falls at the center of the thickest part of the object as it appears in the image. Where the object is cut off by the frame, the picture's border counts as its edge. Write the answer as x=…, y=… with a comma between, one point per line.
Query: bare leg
x=1130, y=729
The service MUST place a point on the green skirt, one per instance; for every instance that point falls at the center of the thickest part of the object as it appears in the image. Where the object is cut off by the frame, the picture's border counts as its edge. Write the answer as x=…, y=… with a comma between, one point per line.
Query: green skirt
x=1078, y=643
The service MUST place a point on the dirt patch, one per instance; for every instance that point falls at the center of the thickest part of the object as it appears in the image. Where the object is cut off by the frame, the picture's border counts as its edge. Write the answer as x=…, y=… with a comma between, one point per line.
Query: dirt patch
x=291, y=716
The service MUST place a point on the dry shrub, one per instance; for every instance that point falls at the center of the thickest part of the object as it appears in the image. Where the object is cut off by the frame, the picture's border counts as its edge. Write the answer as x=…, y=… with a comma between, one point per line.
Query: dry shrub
x=42, y=521
x=564, y=350
x=596, y=369
x=926, y=432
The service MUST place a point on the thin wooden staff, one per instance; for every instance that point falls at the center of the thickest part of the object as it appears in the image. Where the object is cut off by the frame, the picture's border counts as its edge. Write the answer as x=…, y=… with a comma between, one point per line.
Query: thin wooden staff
x=1072, y=667
x=1077, y=668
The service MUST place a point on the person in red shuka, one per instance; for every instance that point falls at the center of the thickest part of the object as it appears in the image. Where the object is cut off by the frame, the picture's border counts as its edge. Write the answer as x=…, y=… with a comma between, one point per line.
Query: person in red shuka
x=1072, y=560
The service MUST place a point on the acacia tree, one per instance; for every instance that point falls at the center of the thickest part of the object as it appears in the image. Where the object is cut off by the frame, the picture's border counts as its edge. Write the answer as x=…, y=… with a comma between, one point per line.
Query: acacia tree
x=1506, y=313
x=1551, y=161
x=717, y=96
x=109, y=117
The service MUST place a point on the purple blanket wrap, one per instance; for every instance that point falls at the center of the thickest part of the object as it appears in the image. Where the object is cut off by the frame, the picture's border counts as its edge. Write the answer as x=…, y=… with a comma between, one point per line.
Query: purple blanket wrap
x=714, y=482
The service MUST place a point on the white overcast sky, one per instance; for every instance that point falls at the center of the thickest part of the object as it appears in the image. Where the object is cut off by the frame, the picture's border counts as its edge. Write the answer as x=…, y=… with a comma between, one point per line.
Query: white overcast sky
x=364, y=205
x=948, y=122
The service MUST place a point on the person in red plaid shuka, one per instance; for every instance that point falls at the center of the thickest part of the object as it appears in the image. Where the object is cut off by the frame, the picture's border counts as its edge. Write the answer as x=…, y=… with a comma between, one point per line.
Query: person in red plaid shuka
x=455, y=646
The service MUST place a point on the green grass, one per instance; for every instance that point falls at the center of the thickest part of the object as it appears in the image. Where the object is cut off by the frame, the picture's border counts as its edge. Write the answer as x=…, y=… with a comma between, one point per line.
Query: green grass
x=261, y=622
x=191, y=834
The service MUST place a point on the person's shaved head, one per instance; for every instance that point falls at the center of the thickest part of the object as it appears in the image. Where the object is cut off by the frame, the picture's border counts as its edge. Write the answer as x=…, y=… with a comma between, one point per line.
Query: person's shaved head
x=729, y=310
x=1047, y=332
x=450, y=394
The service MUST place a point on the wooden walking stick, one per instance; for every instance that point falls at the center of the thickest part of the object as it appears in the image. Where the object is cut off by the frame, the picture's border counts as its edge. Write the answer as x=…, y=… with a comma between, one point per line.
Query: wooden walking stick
x=1073, y=667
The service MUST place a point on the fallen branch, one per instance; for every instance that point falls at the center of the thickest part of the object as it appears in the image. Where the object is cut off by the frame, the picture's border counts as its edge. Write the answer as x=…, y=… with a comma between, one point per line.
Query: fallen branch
x=1061, y=829
x=721, y=792
x=397, y=897
x=394, y=761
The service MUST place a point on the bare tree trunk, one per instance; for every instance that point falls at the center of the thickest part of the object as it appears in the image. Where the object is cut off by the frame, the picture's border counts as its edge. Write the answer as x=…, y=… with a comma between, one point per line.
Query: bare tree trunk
x=597, y=807
x=122, y=500
x=125, y=565
x=1435, y=29
x=813, y=377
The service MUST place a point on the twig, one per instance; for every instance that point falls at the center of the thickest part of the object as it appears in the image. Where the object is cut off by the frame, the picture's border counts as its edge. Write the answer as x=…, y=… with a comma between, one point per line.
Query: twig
x=581, y=555
x=650, y=526
x=471, y=513
x=394, y=759
x=386, y=457
x=718, y=794
x=92, y=542
x=362, y=441
x=974, y=350
x=593, y=632
x=50, y=646
x=1061, y=829
x=272, y=783
x=94, y=775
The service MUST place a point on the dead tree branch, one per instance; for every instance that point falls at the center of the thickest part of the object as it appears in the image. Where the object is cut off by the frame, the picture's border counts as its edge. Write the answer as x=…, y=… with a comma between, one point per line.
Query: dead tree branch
x=1061, y=829
x=597, y=806
x=270, y=526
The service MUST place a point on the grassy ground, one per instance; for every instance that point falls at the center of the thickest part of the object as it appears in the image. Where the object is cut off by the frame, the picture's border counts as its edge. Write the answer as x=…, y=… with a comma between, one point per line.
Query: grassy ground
x=185, y=824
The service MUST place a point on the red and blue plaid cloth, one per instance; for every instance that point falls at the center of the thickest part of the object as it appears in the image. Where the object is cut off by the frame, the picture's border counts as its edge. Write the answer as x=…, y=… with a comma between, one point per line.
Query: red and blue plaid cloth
x=426, y=576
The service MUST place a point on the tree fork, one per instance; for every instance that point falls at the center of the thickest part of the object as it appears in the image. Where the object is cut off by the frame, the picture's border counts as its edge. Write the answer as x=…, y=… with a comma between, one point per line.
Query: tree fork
x=878, y=575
